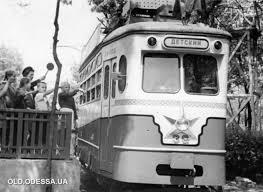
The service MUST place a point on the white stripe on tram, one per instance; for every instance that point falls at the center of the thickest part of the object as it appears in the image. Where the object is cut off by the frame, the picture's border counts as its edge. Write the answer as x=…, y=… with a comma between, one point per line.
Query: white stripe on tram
x=168, y=149
x=89, y=143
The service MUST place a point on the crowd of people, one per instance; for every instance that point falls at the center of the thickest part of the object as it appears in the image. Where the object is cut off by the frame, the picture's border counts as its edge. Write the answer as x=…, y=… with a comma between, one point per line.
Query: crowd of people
x=32, y=95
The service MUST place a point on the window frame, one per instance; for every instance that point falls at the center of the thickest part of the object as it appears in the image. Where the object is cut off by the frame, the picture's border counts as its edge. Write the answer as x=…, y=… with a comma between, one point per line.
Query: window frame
x=88, y=96
x=99, y=60
x=121, y=91
x=93, y=90
x=163, y=54
x=113, y=81
x=108, y=83
x=202, y=94
x=96, y=92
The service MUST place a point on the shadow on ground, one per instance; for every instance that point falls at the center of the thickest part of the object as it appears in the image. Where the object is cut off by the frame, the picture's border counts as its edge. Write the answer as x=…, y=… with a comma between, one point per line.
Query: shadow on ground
x=88, y=182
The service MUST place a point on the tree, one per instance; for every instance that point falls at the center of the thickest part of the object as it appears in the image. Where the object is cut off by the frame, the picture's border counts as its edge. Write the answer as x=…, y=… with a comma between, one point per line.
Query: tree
x=192, y=11
x=112, y=11
x=54, y=101
x=10, y=59
x=243, y=19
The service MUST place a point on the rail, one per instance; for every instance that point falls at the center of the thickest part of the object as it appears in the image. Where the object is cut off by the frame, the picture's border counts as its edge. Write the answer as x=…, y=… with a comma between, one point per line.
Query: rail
x=25, y=134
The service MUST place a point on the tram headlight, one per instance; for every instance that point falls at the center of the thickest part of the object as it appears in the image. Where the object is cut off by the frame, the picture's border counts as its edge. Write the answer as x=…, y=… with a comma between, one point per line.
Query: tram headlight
x=152, y=41
x=185, y=138
x=176, y=137
x=218, y=45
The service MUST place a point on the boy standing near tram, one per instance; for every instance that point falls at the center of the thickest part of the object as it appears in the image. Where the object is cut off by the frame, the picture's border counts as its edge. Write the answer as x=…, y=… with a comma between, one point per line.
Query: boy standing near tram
x=67, y=104
x=41, y=100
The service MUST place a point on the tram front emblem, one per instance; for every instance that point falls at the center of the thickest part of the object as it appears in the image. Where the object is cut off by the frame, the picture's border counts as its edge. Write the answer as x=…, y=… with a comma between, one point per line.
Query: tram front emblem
x=181, y=131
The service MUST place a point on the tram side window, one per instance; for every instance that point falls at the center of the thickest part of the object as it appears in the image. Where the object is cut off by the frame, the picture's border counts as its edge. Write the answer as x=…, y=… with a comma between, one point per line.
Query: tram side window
x=99, y=75
x=98, y=91
x=113, y=87
x=200, y=74
x=88, y=70
x=93, y=80
x=81, y=99
x=106, y=81
x=85, y=73
x=84, y=98
x=82, y=86
x=161, y=73
x=91, y=67
x=93, y=94
x=88, y=96
x=88, y=84
x=99, y=60
x=123, y=73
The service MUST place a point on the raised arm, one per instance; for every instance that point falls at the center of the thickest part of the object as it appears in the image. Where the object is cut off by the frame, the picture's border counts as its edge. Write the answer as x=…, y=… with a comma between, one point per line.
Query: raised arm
x=4, y=89
x=31, y=92
x=48, y=92
x=71, y=93
x=34, y=83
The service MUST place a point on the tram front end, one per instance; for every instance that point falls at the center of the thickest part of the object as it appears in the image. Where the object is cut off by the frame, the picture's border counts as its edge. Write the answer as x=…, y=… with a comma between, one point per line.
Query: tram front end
x=169, y=126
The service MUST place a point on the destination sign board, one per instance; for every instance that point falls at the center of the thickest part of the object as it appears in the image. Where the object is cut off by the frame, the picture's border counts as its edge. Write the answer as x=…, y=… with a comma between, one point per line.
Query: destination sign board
x=188, y=43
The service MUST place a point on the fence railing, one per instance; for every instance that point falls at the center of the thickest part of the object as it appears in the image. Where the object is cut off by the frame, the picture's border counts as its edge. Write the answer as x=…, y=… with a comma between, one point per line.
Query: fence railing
x=26, y=134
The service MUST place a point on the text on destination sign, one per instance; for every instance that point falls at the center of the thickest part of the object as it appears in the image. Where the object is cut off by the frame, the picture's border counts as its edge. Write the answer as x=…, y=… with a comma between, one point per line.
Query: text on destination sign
x=173, y=42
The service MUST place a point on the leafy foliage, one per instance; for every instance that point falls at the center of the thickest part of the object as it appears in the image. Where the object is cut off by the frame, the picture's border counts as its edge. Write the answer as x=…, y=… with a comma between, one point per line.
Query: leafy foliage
x=112, y=10
x=66, y=2
x=244, y=153
x=10, y=59
x=199, y=11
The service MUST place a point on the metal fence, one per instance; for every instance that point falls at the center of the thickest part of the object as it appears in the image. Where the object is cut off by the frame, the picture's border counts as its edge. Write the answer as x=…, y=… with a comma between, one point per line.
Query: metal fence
x=26, y=134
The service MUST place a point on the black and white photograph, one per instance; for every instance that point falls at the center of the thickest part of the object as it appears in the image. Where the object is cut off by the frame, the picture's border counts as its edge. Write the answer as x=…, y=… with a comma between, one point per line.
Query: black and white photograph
x=131, y=96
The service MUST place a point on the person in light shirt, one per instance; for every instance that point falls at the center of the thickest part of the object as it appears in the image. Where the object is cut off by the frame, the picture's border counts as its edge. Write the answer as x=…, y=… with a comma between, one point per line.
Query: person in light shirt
x=41, y=100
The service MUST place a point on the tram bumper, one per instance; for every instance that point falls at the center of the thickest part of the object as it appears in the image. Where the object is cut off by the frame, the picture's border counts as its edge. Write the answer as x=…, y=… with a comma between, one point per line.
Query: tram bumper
x=169, y=168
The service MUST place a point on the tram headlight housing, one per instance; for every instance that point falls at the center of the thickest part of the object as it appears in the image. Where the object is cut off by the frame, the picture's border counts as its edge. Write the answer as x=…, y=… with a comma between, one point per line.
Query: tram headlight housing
x=152, y=41
x=183, y=124
x=176, y=137
x=185, y=138
x=218, y=45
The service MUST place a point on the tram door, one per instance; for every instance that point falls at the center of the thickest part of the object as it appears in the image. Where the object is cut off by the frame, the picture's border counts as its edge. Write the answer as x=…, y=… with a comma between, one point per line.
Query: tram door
x=105, y=151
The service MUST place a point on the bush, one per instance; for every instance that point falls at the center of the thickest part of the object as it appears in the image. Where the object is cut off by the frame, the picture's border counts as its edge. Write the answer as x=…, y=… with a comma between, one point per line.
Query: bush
x=244, y=155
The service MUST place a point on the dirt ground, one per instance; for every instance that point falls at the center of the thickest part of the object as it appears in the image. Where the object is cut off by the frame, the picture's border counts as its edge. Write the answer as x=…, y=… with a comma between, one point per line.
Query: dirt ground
x=89, y=184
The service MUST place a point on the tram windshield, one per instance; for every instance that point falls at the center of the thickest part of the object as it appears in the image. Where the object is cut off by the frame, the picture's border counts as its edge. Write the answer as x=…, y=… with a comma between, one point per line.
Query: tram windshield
x=161, y=73
x=200, y=74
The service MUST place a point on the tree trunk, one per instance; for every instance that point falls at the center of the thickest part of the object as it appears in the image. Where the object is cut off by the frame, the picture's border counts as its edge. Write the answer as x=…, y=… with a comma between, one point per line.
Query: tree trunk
x=251, y=82
x=248, y=120
x=54, y=101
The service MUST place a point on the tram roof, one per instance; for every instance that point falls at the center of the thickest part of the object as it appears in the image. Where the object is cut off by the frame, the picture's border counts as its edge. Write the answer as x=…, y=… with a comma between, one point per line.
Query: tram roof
x=176, y=27
x=159, y=27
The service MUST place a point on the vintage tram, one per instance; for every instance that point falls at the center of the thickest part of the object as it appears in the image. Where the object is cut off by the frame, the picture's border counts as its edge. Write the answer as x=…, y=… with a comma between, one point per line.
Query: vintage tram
x=154, y=111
